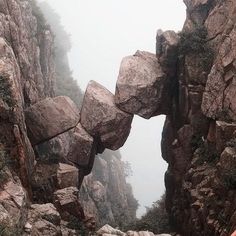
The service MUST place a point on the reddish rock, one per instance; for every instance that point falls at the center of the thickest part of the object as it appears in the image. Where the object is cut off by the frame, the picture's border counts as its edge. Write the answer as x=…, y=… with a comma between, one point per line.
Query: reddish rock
x=102, y=119
x=228, y=159
x=67, y=176
x=211, y=136
x=213, y=96
x=67, y=202
x=75, y=147
x=50, y=117
x=224, y=133
x=167, y=49
x=142, y=86
x=82, y=147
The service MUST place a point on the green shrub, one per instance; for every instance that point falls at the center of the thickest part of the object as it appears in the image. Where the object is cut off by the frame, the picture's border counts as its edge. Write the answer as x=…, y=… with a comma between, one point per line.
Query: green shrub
x=195, y=43
x=155, y=220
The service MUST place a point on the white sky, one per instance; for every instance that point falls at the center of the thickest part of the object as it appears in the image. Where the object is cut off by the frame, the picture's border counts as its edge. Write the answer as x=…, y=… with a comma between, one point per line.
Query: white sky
x=102, y=33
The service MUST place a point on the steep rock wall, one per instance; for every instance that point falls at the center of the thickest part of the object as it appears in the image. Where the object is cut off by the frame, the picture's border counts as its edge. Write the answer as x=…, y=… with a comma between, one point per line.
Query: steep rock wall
x=26, y=76
x=198, y=136
x=106, y=195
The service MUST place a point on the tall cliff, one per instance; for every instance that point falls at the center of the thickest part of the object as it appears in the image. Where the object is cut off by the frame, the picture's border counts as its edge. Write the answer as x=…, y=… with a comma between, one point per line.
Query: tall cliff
x=47, y=147
x=105, y=193
x=199, y=134
x=34, y=180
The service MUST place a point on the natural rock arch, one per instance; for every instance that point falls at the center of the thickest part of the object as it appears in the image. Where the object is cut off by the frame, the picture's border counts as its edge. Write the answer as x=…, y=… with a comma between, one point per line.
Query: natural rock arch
x=57, y=130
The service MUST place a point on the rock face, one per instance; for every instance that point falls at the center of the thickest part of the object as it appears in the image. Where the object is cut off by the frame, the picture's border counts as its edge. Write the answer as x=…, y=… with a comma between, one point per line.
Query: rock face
x=105, y=194
x=67, y=202
x=142, y=86
x=42, y=140
x=102, y=119
x=75, y=146
x=50, y=117
x=199, y=134
x=191, y=80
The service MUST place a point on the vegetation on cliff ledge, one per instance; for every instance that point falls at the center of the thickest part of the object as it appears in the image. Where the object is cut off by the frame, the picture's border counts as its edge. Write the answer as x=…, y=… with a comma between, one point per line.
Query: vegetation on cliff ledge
x=195, y=43
x=155, y=220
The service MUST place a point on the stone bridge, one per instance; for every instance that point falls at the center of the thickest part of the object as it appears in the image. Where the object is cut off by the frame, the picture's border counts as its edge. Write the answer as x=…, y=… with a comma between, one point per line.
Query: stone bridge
x=60, y=133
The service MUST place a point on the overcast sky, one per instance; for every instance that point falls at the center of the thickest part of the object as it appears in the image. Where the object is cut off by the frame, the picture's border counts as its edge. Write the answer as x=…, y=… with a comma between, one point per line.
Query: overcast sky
x=102, y=33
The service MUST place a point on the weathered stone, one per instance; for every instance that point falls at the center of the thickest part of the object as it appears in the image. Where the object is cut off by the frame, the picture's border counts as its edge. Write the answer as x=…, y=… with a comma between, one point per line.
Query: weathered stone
x=216, y=21
x=44, y=211
x=82, y=148
x=102, y=119
x=212, y=103
x=75, y=146
x=44, y=181
x=211, y=135
x=50, y=117
x=44, y=227
x=224, y=133
x=167, y=45
x=228, y=159
x=107, y=229
x=67, y=176
x=67, y=202
x=13, y=204
x=142, y=86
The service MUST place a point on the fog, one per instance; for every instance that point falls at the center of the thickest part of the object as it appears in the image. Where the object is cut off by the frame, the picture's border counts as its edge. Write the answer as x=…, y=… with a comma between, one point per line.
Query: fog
x=102, y=33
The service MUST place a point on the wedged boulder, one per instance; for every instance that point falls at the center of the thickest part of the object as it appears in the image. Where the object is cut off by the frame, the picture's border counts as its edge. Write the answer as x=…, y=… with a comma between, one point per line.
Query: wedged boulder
x=67, y=176
x=50, y=117
x=102, y=119
x=67, y=203
x=142, y=86
x=167, y=49
x=75, y=146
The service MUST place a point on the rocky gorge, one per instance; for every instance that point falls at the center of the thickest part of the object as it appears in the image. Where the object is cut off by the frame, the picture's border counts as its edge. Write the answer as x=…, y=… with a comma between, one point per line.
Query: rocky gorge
x=49, y=146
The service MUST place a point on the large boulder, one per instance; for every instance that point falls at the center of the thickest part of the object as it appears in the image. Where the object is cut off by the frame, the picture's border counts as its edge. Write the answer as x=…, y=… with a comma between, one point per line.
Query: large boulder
x=67, y=203
x=142, y=86
x=67, y=176
x=75, y=146
x=102, y=119
x=50, y=117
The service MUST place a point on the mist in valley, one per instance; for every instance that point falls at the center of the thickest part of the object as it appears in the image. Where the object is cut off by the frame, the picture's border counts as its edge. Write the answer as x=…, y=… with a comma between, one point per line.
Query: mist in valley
x=96, y=36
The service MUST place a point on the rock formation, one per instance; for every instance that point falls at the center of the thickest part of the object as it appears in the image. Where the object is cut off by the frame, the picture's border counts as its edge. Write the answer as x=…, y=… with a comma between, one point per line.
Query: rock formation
x=44, y=150
x=191, y=80
x=106, y=195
